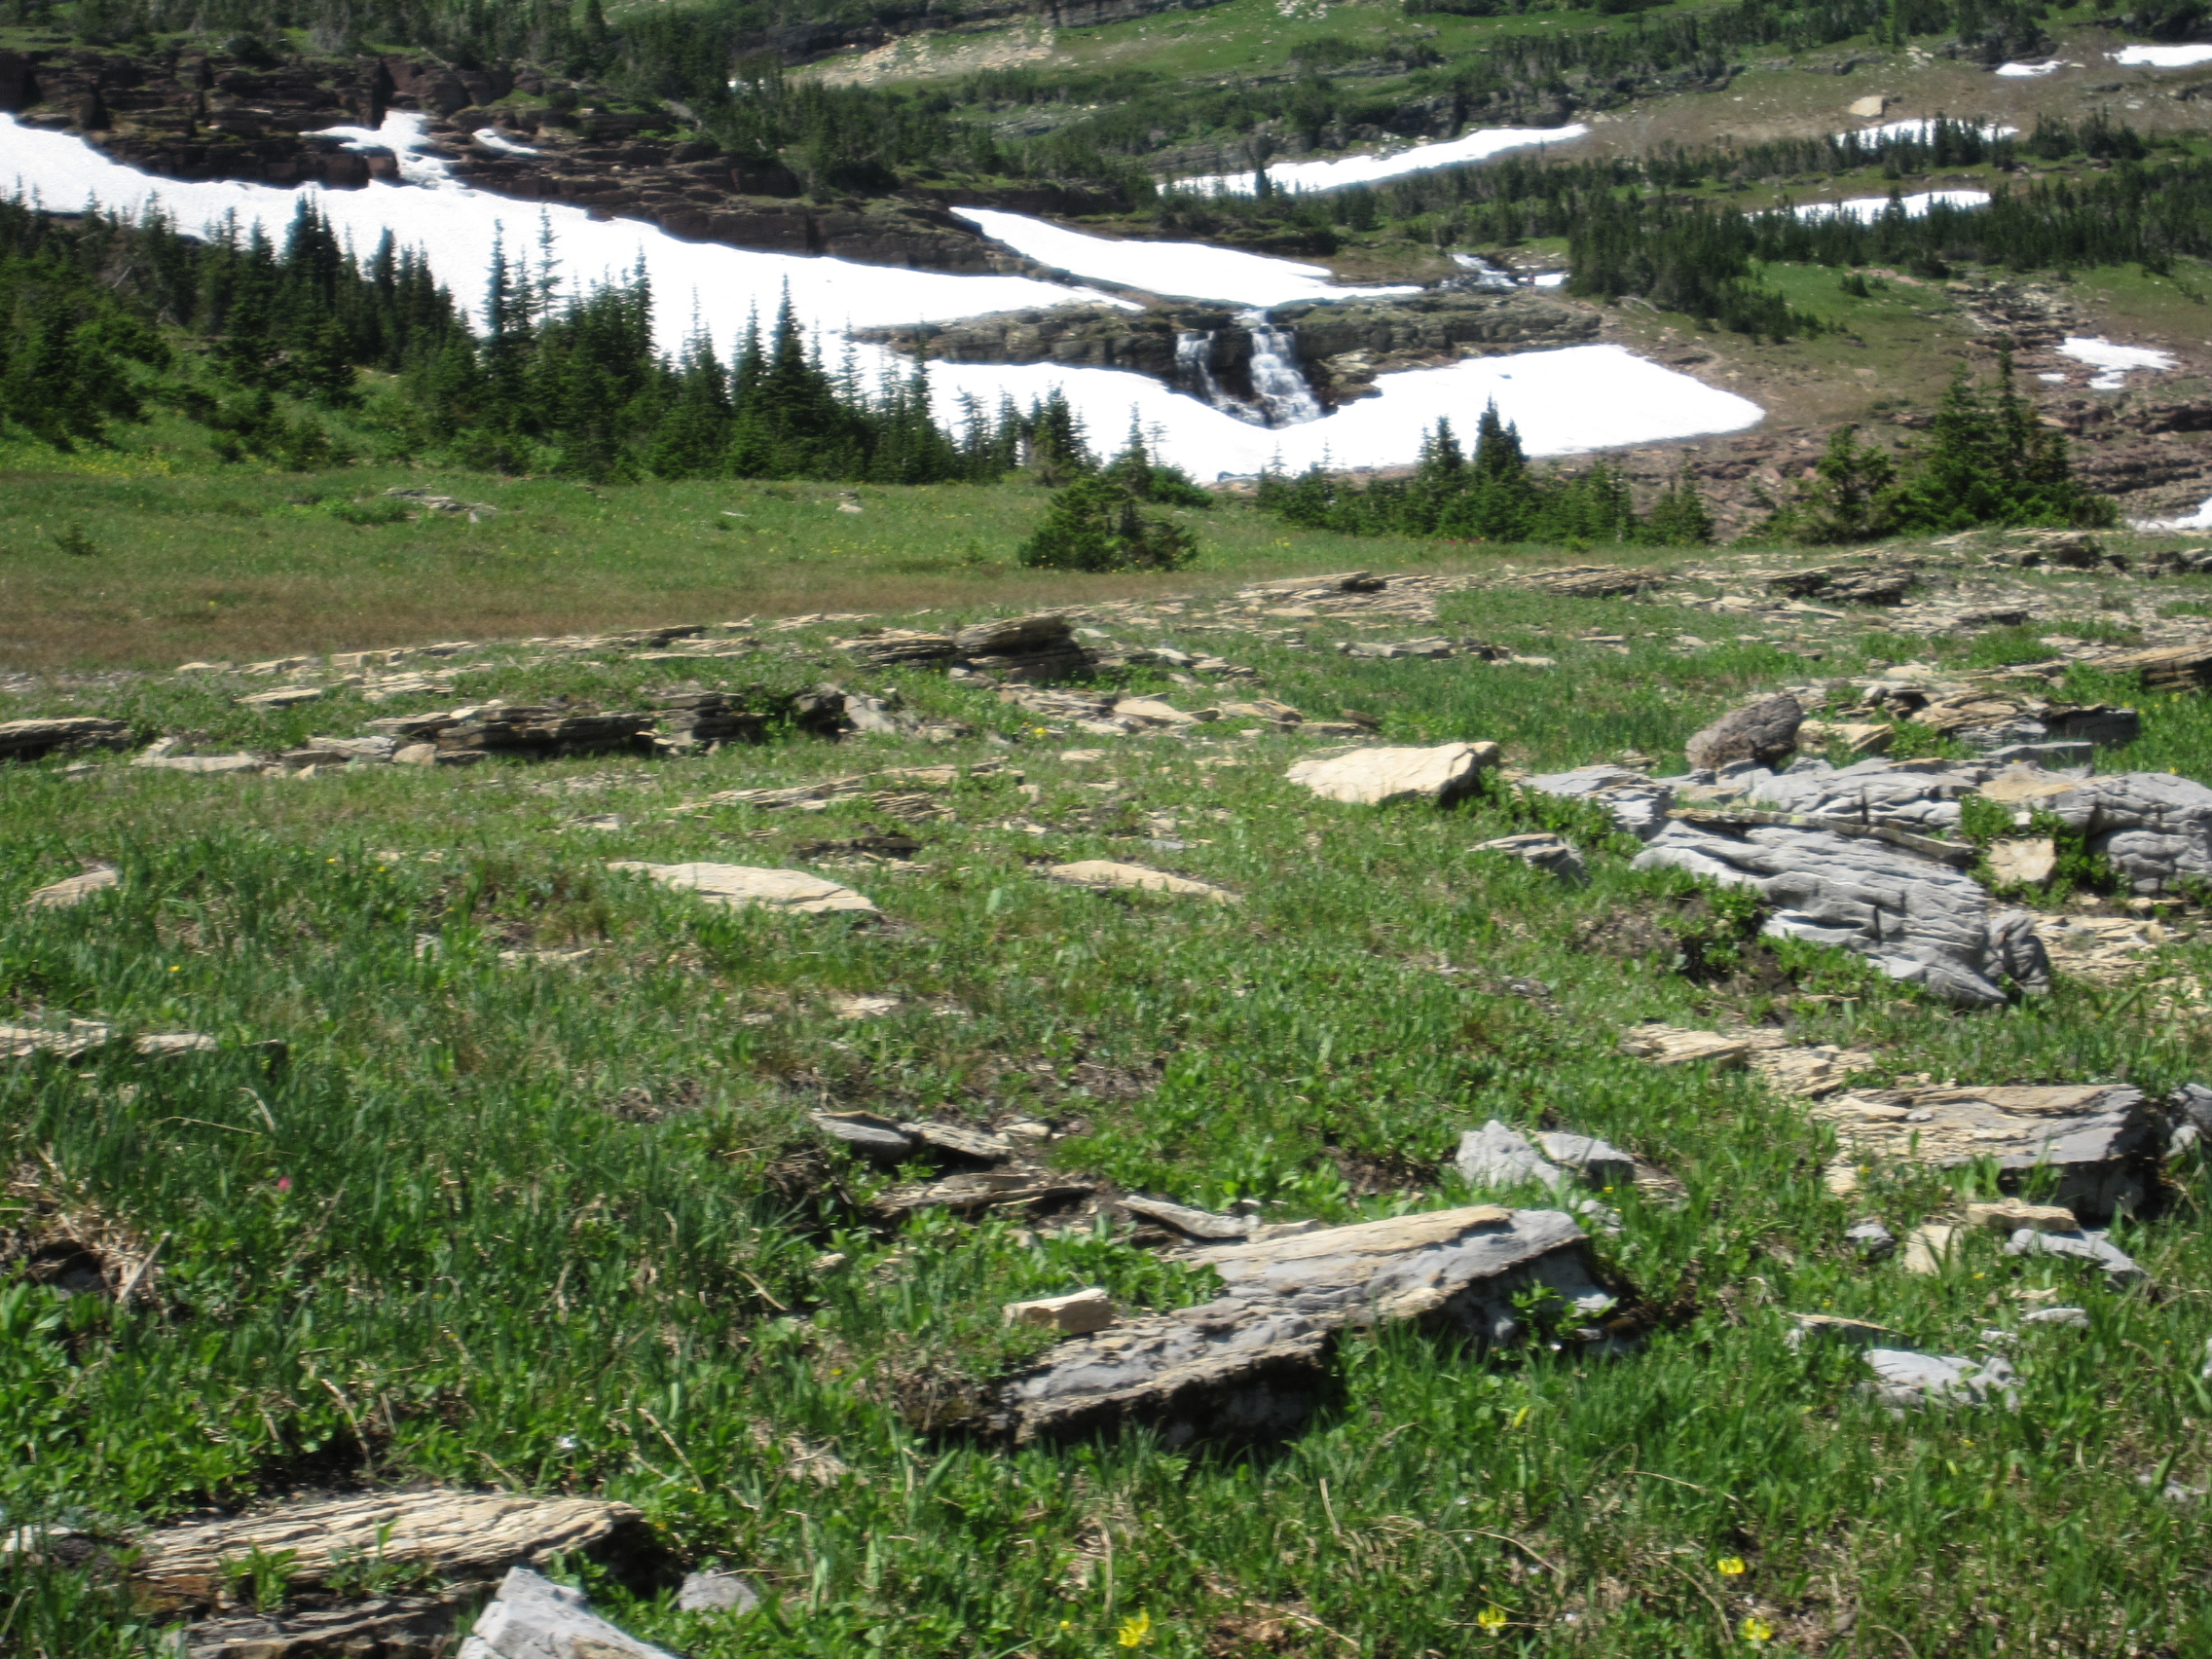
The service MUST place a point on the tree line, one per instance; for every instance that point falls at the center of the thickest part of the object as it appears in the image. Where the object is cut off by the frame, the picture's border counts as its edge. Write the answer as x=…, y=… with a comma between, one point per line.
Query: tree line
x=295, y=351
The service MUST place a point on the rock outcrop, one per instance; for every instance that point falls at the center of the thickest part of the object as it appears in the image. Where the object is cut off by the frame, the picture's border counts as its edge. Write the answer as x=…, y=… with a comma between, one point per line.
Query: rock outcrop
x=2154, y=827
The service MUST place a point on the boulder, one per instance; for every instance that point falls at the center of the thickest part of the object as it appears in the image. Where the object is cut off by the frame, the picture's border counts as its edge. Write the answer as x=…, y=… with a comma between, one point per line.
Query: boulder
x=2155, y=828
x=1595, y=1163
x=2101, y=1141
x=1372, y=777
x=1105, y=875
x=1540, y=850
x=1497, y=1156
x=738, y=887
x=1251, y=1364
x=1908, y=910
x=1909, y=1380
x=532, y=1617
x=1762, y=733
x=457, y=1535
x=717, y=1593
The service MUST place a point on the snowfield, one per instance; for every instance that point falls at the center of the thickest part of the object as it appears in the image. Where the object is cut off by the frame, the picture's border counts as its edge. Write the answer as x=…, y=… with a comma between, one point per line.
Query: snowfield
x=1925, y=130
x=1566, y=402
x=1867, y=208
x=1184, y=271
x=1302, y=176
x=2024, y=71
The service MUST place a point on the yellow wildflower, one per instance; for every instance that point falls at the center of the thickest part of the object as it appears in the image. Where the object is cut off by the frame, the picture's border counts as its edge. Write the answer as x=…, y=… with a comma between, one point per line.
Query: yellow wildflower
x=1757, y=1630
x=1492, y=1618
x=1731, y=1566
x=1134, y=1630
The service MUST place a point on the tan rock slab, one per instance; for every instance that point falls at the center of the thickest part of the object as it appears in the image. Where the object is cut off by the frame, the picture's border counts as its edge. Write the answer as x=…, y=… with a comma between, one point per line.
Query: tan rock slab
x=286, y=697
x=1373, y=777
x=2020, y=785
x=61, y=895
x=2026, y=863
x=738, y=887
x=2012, y=1214
x=1150, y=711
x=456, y=1533
x=1672, y=1046
x=1105, y=875
x=1931, y=1249
x=1075, y=1314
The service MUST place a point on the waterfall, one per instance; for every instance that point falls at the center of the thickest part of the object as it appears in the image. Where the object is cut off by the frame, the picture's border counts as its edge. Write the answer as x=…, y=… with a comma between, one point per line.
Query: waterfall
x=1277, y=378
x=1194, y=366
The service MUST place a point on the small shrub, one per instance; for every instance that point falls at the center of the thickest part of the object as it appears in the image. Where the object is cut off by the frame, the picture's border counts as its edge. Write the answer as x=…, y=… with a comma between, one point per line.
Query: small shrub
x=1094, y=525
x=73, y=541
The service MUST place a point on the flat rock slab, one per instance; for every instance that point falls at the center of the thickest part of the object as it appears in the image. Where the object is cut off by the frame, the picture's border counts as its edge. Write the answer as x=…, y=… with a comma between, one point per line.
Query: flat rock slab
x=2101, y=1141
x=1105, y=875
x=1251, y=1365
x=1910, y=1380
x=535, y=1618
x=2092, y=1247
x=738, y=887
x=454, y=1533
x=1373, y=777
x=61, y=895
x=1917, y=918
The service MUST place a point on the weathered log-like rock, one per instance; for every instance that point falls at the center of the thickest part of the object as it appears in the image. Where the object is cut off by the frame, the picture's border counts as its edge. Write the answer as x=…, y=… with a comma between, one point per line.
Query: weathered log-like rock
x=738, y=887
x=388, y=1627
x=454, y=1533
x=32, y=740
x=1762, y=733
x=2099, y=1142
x=1250, y=1365
x=1372, y=777
x=535, y=1618
x=1915, y=916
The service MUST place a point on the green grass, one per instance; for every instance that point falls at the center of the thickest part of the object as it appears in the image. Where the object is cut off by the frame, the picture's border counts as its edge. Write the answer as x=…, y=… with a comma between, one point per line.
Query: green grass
x=560, y=1227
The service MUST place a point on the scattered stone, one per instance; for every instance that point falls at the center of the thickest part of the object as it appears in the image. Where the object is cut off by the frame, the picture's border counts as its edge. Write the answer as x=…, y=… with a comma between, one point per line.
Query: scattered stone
x=846, y=1007
x=2118, y=1266
x=210, y=764
x=717, y=1593
x=1152, y=711
x=1598, y=1164
x=457, y=1535
x=1540, y=850
x=1373, y=777
x=1760, y=732
x=172, y=1044
x=81, y=1037
x=532, y=1617
x=2012, y=1214
x=34, y=740
x=1496, y=1157
x=2023, y=862
x=1873, y=1241
x=1670, y=1046
x=1105, y=875
x=1910, y=1380
x=1929, y=1248
x=2068, y=1318
x=1191, y=1223
x=2101, y=1142
x=872, y=1137
x=979, y=1189
x=1249, y=1365
x=61, y=895
x=737, y=887
x=1075, y=1314
x=1859, y=737
x=1589, y=582
x=960, y=1141
x=283, y=698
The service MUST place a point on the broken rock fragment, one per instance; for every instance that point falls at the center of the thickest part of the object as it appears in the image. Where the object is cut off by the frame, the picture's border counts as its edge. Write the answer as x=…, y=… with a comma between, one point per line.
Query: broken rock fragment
x=1077, y=1313
x=717, y=1593
x=535, y=1618
x=1910, y=1380
x=1370, y=777
x=61, y=895
x=1251, y=1364
x=2093, y=1247
x=1539, y=850
x=738, y=887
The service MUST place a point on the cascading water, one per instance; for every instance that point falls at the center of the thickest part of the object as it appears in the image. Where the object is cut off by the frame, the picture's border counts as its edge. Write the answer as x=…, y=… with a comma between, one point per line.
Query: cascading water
x=1276, y=379
x=1194, y=366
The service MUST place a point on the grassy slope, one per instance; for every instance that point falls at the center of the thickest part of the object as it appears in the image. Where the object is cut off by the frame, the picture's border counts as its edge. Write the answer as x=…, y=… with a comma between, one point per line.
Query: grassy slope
x=547, y=1227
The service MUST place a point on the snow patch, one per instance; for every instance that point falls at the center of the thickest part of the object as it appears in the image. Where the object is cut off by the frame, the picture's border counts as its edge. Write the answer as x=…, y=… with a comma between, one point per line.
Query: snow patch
x=1924, y=131
x=2202, y=519
x=407, y=136
x=2164, y=57
x=2113, y=360
x=2024, y=71
x=1188, y=271
x=492, y=139
x=1867, y=208
x=1302, y=176
x=1551, y=278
